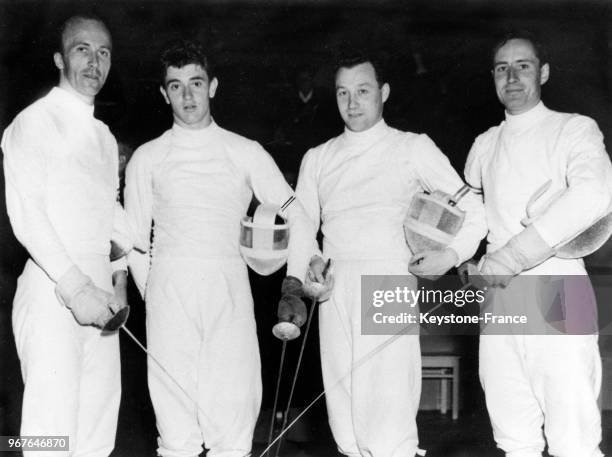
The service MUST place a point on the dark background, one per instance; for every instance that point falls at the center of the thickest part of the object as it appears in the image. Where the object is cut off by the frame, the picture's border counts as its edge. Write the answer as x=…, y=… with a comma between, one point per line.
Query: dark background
x=258, y=46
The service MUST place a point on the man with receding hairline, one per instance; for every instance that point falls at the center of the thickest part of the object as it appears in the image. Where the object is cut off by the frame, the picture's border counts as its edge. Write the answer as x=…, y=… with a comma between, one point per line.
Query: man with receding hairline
x=61, y=168
x=75, y=33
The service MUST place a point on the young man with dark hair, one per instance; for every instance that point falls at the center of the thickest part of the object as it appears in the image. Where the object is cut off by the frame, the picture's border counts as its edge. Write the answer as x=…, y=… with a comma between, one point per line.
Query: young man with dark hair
x=539, y=50
x=359, y=186
x=61, y=168
x=539, y=380
x=195, y=183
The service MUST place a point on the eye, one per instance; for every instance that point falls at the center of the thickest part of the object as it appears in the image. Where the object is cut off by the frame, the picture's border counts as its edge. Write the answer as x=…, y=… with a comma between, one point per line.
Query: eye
x=363, y=91
x=341, y=93
x=524, y=66
x=500, y=69
x=104, y=53
x=173, y=87
x=81, y=49
x=198, y=84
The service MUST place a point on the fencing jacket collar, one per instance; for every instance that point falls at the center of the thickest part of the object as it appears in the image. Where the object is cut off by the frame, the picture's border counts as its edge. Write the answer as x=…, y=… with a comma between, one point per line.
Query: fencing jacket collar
x=70, y=101
x=191, y=137
x=517, y=122
x=368, y=136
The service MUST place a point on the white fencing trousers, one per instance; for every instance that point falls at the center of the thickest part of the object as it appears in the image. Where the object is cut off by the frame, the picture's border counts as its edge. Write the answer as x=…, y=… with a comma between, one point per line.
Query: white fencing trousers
x=201, y=327
x=372, y=412
x=553, y=381
x=72, y=373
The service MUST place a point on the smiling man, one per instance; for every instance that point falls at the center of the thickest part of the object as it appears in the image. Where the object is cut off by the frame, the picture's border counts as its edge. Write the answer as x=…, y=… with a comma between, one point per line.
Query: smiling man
x=195, y=183
x=61, y=168
x=535, y=381
x=358, y=186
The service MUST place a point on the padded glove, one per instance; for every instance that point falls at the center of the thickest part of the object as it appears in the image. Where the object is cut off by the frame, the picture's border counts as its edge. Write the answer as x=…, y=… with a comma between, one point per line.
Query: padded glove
x=524, y=251
x=291, y=307
x=89, y=304
x=433, y=263
x=319, y=279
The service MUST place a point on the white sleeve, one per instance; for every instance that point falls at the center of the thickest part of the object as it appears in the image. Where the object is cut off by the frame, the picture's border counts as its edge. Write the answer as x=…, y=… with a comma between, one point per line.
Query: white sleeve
x=589, y=184
x=25, y=159
x=139, y=264
x=138, y=199
x=121, y=234
x=436, y=173
x=307, y=187
x=472, y=170
x=269, y=186
x=307, y=192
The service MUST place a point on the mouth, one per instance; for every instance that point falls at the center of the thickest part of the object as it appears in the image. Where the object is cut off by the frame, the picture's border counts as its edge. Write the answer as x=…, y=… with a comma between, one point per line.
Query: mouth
x=94, y=76
x=190, y=108
x=513, y=90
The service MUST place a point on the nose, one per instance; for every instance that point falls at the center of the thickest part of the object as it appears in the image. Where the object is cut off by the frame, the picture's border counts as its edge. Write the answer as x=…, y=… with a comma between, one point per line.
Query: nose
x=352, y=101
x=512, y=74
x=187, y=94
x=92, y=60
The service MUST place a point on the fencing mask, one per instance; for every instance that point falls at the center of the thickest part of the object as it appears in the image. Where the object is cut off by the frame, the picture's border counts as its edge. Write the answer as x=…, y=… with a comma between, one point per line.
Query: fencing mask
x=264, y=244
x=433, y=220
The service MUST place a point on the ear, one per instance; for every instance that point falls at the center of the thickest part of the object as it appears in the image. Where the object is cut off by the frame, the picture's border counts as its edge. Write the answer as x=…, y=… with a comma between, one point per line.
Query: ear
x=544, y=74
x=386, y=90
x=58, y=60
x=164, y=94
x=212, y=88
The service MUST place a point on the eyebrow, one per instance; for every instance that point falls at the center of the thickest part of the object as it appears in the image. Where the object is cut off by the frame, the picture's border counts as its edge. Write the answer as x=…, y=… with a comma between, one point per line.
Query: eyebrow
x=514, y=61
x=86, y=43
x=194, y=78
x=79, y=43
x=359, y=85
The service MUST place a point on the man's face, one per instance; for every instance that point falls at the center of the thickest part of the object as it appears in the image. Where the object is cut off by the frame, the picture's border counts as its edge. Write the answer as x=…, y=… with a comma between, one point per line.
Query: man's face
x=188, y=91
x=85, y=59
x=518, y=76
x=360, y=98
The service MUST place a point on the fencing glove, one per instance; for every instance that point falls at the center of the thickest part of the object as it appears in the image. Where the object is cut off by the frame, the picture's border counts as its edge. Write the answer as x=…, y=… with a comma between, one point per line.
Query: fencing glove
x=89, y=304
x=291, y=310
x=319, y=279
x=432, y=264
x=524, y=251
x=291, y=307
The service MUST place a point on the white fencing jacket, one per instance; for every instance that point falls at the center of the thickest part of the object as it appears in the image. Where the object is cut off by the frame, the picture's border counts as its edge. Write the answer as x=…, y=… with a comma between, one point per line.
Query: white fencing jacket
x=511, y=161
x=196, y=185
x=359, y=186
x=61, y=169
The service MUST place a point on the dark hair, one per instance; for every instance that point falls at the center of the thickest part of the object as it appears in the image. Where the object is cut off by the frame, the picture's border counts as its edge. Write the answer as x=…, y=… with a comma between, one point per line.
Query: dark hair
x=354, y=58
x=71, y=22
x=183, y=52
x=522, y=34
